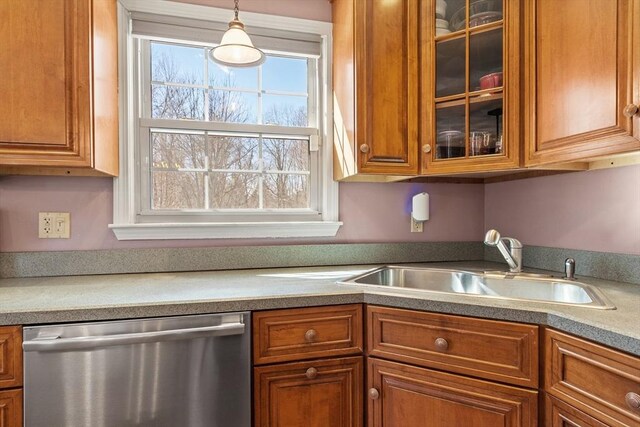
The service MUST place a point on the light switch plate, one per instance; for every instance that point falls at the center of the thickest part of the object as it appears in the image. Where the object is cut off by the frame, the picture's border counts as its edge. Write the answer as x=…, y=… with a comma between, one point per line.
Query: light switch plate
x=54, y=225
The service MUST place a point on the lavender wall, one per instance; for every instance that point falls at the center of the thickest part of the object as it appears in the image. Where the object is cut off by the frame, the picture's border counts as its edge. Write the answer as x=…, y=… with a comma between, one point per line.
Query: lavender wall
x=596, y=210
x=371, y=213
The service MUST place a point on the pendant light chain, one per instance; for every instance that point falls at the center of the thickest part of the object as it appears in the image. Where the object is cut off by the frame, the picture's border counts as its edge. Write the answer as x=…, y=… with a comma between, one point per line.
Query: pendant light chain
x=236, y=9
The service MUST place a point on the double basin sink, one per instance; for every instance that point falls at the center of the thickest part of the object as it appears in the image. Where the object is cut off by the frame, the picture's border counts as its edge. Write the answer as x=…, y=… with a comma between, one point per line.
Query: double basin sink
x=500, y=285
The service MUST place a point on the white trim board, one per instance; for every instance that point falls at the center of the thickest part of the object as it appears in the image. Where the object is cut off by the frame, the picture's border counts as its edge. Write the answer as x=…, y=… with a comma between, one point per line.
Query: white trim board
x=208, y=13
x=126, y=206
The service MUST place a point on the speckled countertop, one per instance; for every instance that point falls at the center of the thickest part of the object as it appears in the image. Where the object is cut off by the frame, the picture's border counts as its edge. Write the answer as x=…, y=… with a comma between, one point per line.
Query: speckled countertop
x=86, y=298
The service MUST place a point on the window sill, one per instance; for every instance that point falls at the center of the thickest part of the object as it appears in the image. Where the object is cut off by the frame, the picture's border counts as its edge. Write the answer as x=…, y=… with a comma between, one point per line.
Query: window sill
x=228, y=230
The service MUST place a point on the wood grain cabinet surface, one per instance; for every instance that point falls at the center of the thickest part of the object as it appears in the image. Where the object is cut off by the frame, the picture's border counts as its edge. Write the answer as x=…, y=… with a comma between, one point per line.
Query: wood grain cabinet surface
x=11, y=408
x=403, y=395
x=467, y=124
x=583, y=79
x=560, y=414
x=10, y=376
x=320, y=393
x=307, y=333
x=375, y=87
x=495, y=350
x=601, y=382
x=59, y=109
x=10, y=356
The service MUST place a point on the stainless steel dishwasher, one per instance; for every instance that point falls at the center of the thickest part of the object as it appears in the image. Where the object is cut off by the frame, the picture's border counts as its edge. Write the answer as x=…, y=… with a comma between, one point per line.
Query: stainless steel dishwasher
x=186, y=371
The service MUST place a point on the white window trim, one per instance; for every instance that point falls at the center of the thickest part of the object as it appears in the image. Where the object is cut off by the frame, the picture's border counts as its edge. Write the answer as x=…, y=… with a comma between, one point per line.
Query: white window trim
x=125, y=226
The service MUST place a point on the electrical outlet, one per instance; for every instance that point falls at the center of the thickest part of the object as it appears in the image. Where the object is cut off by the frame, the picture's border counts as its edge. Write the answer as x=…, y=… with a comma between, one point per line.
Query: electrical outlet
x=416, y=226
x=54, y=225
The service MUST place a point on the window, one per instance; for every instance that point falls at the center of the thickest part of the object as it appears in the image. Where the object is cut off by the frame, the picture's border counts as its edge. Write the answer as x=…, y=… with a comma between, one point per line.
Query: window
x=209, y=151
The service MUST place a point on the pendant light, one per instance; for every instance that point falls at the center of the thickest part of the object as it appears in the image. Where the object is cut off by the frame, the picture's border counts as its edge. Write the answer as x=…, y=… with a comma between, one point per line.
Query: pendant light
x=236, y=49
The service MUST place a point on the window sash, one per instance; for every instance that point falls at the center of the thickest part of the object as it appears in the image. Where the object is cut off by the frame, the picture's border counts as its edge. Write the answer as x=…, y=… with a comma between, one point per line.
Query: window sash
x=145, y=124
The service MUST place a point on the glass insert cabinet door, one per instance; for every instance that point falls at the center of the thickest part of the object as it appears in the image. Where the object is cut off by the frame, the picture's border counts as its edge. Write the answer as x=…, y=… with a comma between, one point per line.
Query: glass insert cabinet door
x=467, y=82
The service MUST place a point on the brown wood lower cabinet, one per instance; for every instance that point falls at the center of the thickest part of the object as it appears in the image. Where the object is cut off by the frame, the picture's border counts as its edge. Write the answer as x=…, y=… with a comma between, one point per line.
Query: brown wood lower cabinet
x=317, y=393
x=560, y=414
x=400, y=395
x=11, y=408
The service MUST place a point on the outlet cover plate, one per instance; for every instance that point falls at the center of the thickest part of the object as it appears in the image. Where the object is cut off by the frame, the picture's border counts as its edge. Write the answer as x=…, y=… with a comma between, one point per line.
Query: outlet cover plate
x=54, y=225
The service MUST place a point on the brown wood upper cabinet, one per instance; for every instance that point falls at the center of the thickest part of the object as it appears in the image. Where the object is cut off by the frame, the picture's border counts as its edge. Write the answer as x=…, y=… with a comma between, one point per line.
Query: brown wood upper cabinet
x=59, y=109
x=375, y=87
x=470, y=85
x=583, y=79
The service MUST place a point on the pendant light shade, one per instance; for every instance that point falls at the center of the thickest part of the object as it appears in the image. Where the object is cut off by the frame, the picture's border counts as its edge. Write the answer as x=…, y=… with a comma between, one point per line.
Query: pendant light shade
x=236, y=49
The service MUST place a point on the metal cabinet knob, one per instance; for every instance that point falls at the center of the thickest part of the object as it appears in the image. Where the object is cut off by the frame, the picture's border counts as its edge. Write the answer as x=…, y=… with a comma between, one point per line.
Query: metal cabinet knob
x=364, y=148
x=630, y=110
x=310, y=335
x=311, y=373
x=633, y=400
x=441, y=344
x=374, y=394
x=426, y=148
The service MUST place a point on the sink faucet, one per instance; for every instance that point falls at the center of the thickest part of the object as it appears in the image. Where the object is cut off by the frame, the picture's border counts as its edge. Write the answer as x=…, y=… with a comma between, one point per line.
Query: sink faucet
x=513, y=255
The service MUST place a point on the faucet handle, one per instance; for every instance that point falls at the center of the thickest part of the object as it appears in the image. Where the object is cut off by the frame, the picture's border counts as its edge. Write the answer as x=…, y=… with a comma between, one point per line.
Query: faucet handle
x=570, y=269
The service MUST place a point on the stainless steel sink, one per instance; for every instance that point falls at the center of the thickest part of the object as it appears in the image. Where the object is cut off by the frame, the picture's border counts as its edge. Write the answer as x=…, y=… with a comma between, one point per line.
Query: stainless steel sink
x=508, y=286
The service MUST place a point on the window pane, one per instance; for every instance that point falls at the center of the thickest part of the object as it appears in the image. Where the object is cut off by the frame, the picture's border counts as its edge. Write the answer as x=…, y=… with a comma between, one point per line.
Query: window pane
x=282, y=191
x=234, y=153
x=233, y=107
x=285, y=74
x=235, y=191
x=240, y=78
x=177, y=64
x=178, y=151
x=285, y=110
x=178, y=190
x=285, y=154
x=174, y=102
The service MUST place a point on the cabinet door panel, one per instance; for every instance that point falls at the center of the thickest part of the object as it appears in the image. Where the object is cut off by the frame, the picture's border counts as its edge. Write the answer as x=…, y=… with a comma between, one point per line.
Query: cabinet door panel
x=320, y=393
x=10, y=356
x=387, y=73
x=559, y=414
x=45, y=68
x=11, y=408
x=580, y=55
x=410, y=396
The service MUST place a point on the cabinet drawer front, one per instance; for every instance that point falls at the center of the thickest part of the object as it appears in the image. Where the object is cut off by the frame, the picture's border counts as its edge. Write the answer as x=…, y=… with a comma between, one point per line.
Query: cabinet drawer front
x=322, y=393
x=403, y=395
x=593, y=378
x=11, y=408
x=500, y=351
x=10, y=356
x=307, y=333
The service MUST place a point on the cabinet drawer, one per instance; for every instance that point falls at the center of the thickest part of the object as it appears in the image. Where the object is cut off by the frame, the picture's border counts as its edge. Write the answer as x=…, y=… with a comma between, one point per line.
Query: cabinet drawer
x=10, y=356
x=599, y=381
x=11, y=408
x=325, y=393
x=306, y=333
x=500, y=351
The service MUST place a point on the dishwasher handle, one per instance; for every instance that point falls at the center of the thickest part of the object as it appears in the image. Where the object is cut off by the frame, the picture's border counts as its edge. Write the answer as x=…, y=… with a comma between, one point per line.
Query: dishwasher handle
x=57, y=343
